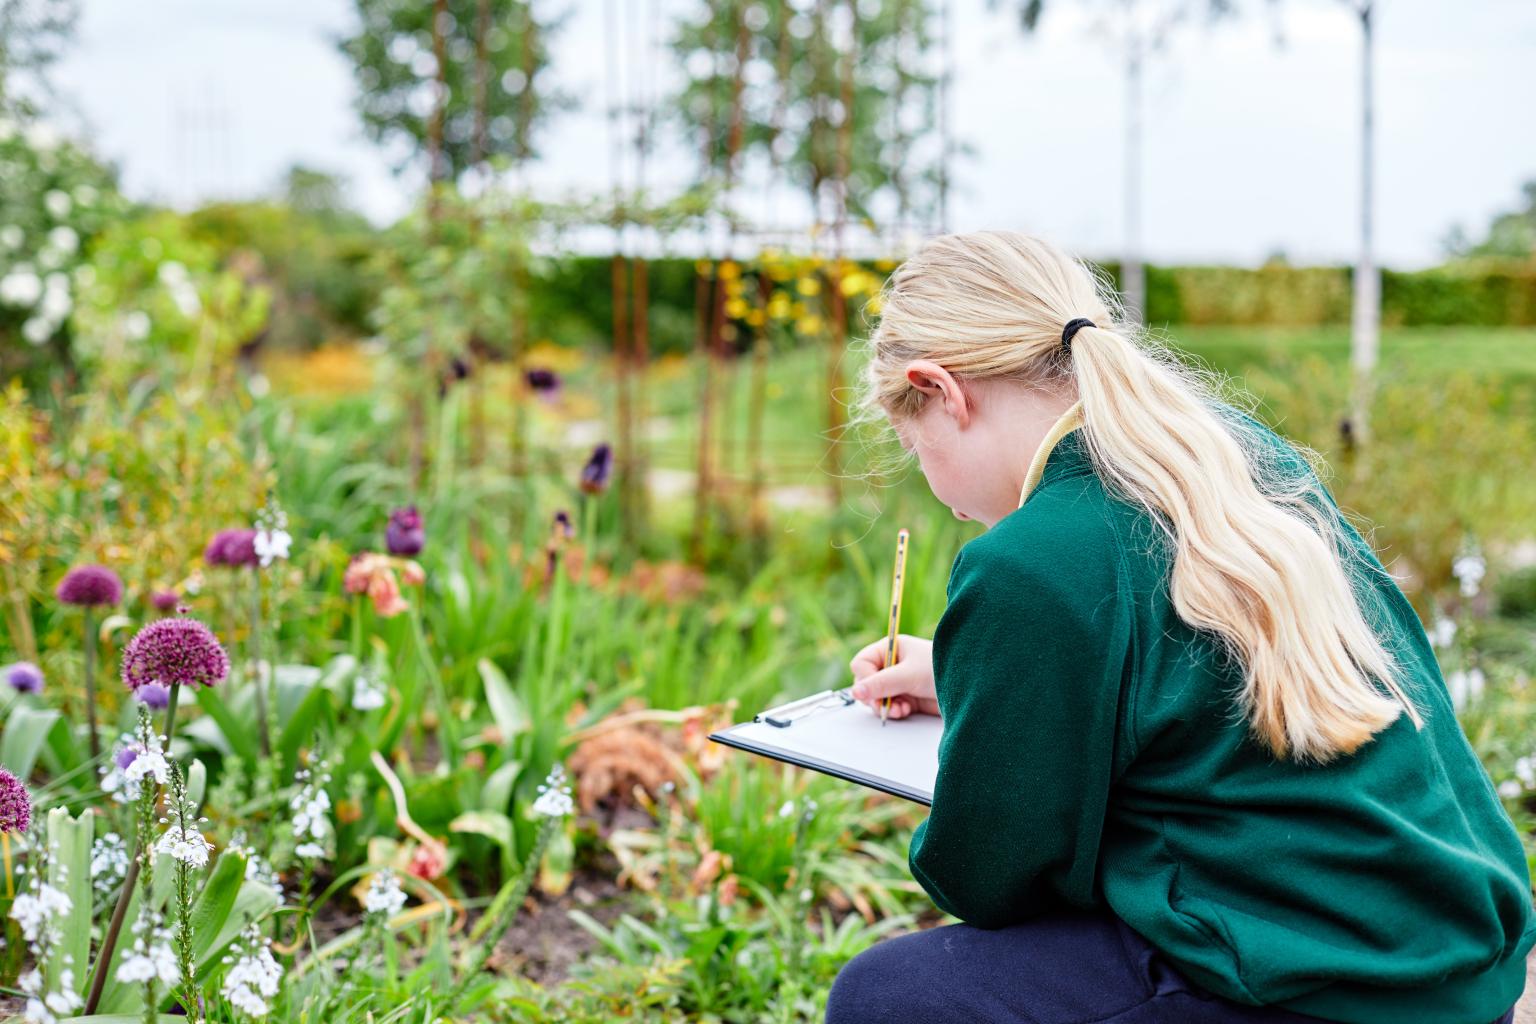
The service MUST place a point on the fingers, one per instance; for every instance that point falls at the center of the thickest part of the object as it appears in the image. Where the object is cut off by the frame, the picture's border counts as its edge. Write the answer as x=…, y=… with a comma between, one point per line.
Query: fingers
x=896, y=681
x=869, y=660
x=871, y=657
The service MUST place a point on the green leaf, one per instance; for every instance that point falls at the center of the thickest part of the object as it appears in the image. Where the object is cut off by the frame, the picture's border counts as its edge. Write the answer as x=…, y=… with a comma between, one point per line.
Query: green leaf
x=303, y=722
x=214, y=904
x=497, y=794
x=69, y=871
x=237, y=736
x=508, y=711
x=491, y=824
x=26, y=730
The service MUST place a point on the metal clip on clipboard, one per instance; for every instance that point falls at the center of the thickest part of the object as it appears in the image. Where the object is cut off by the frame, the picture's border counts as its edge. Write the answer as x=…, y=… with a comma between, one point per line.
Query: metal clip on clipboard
x=785, y=715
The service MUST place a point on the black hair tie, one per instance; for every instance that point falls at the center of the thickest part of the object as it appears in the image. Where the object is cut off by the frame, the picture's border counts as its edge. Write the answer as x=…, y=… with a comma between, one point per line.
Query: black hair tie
x=1072, y=328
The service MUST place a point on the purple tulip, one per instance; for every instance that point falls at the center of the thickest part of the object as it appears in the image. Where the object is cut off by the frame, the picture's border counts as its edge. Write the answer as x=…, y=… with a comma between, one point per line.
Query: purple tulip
x=405, y=534
x=90, y=586
x=542, y=382
x=15, y=804
x=24, y=677
x=595, y=474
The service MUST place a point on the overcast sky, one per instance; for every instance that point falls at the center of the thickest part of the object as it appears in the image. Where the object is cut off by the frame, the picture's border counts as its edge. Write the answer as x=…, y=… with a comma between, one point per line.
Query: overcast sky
x=1250, y=147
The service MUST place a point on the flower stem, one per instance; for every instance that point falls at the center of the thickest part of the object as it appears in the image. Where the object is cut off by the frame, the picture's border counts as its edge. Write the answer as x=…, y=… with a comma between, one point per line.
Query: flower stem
x=90, y=683
x=261, y=689
x=446, y=735
x=492, y=938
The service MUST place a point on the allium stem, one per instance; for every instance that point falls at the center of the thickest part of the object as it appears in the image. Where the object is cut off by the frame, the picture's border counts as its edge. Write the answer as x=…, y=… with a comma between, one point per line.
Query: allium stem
x=90, y=683
x=493, y=937
x=261, y=687
x=143, y=852
x=109, y=942
x=446, y=736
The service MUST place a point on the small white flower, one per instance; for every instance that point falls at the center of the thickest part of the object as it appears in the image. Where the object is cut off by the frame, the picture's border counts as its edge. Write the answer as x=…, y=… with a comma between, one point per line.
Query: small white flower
x=271, y=545
x=21, y=287
x=64, y=238
x=109, y=863
x=1466, y=685
x=153, y=961
x=149, y=764
x=252, y=982
x=786, y=808
x=1469, y=569
x=384, y=895
x=366, y=696
x=1525, y=771
x=554, y=799
x=35, y=912
x=1443, y=632
x=58, y=203
x=12, y=236
x=136, y=325
x=310, y=849
x=37, y=330
x=186, y=845
x=1509, y=789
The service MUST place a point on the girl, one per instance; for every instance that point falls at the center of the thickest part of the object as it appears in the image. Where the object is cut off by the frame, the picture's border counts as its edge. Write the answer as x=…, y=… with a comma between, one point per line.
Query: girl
x=1199, y=763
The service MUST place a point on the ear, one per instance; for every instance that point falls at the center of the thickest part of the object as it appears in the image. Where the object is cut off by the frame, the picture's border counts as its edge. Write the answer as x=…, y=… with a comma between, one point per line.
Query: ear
x=933, y=380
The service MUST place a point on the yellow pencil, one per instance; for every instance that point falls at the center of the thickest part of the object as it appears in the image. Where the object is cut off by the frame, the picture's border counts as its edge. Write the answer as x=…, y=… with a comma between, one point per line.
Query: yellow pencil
x=898, y=576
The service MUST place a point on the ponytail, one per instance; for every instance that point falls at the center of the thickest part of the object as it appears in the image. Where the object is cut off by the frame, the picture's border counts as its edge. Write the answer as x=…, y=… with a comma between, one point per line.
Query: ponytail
x=1259, y=552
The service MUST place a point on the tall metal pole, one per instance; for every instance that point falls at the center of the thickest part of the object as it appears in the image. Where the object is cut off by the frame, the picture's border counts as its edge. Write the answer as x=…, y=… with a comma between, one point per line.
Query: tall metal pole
x=1132, y=274
x=1365, y=338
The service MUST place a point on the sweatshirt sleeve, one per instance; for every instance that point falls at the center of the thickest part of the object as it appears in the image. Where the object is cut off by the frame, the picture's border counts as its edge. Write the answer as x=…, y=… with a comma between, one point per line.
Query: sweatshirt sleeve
x=1031, y=663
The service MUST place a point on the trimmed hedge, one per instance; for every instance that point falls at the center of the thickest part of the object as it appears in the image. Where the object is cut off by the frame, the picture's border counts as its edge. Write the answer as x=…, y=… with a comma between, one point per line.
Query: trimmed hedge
x=576, y=299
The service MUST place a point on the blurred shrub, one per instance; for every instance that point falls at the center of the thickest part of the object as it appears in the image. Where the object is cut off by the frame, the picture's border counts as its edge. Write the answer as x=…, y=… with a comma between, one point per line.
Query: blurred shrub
x=158, y=304
x=1516, y=593
x=55, y=197
x=316, y=263
x=1437, y=474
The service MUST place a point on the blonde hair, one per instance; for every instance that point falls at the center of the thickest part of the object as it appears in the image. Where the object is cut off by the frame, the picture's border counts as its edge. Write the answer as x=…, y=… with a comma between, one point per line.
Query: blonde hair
x=1259, y=553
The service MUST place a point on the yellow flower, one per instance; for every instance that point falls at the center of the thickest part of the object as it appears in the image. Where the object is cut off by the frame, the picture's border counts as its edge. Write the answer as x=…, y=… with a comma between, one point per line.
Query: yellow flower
x=779, y=306
x=808, y=286
x=809, y=324
x=729, y=270
x=856, y=282
x=736, y=308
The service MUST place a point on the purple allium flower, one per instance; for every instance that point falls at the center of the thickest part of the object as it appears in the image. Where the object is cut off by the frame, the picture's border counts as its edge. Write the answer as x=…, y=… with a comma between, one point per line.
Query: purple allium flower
x=164, y=600
x=235, y=548
x=542, y=382
x=405, y=534
x=15, y=804
x=24, y=677
x=174, y=651
x=90, y=585
x=594, y=475
x=153, y=695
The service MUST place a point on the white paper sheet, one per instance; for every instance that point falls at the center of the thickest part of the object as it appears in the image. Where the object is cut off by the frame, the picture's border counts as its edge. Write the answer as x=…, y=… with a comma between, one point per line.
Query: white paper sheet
x=849, y=742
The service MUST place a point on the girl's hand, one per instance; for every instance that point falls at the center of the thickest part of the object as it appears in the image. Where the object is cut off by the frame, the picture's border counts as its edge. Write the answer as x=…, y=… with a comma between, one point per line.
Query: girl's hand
x=909, y=683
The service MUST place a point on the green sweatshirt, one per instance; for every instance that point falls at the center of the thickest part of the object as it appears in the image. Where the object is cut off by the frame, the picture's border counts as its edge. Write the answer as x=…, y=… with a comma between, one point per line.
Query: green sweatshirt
x=1092, y=756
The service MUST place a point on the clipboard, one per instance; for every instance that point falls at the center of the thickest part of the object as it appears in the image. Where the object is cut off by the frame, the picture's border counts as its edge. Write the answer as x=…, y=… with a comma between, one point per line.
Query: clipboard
x=831, y=733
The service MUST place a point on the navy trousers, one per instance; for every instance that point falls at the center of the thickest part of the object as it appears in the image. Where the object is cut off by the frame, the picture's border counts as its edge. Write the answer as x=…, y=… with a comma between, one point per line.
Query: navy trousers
x=1061, y=968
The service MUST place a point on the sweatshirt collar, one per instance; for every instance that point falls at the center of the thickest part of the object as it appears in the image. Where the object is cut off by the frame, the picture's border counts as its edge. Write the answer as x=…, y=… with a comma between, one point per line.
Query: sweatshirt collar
x=1068, y=421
